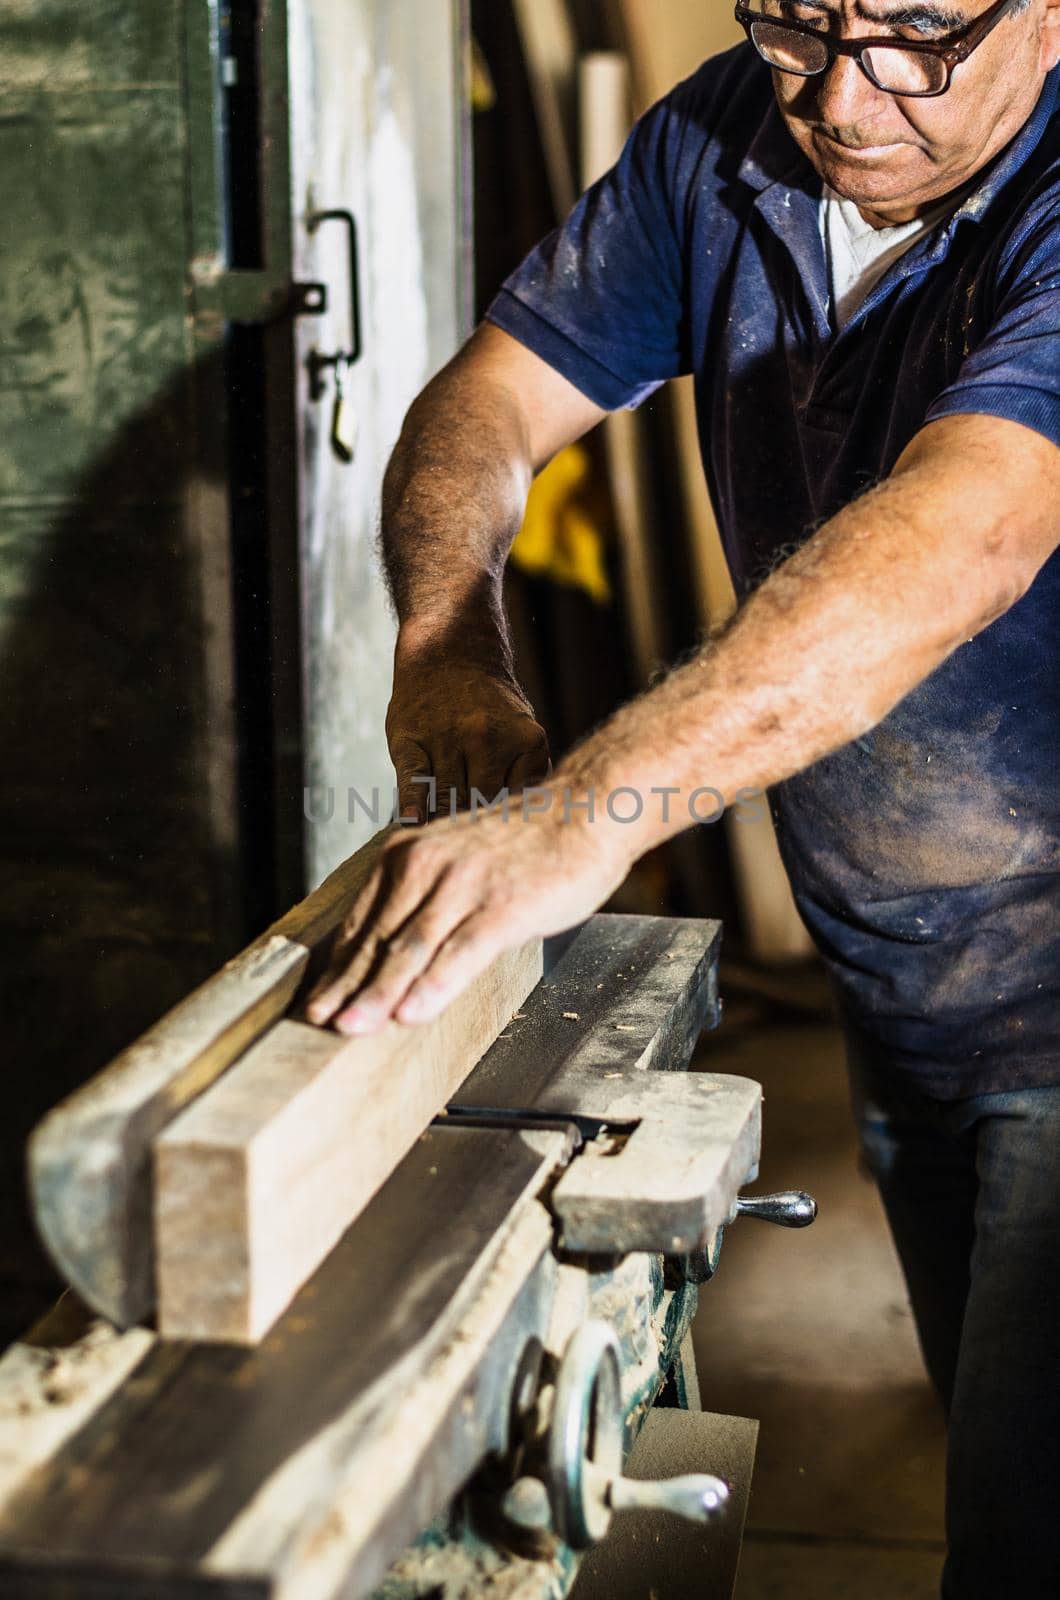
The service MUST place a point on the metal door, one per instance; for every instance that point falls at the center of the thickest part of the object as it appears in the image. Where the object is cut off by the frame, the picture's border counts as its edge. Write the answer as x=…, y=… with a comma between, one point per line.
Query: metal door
x=379, y=131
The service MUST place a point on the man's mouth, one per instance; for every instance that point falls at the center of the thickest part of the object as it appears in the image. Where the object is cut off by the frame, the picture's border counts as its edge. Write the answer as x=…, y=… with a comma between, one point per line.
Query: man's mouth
x=854, y=147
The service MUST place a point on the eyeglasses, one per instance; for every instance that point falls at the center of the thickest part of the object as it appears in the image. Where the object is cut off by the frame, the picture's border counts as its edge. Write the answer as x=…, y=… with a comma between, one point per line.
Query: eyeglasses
x=897, y=66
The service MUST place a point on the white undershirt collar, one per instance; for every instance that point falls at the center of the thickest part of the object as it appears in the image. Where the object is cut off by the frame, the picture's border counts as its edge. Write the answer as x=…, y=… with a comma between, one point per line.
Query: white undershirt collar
x=858, y=254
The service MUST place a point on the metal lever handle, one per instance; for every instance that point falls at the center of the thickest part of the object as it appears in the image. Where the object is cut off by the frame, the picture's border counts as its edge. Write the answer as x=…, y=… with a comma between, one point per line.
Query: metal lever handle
x=318, y=363
x=697, y=1497
x=793, y=1208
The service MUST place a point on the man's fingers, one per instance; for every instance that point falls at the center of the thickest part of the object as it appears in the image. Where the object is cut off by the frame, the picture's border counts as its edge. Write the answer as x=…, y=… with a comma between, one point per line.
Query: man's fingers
x=467, y=951
x=346, y=975
x=386, y=901
x=412, y=766
x=328, y=993
x=402, y=959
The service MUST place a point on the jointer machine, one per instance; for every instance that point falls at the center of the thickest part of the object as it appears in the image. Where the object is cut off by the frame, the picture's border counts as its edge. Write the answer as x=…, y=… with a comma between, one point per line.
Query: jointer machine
x=446, y=1404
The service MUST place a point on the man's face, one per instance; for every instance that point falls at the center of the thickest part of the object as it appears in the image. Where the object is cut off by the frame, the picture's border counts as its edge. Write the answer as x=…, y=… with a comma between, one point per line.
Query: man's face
x=895, y=157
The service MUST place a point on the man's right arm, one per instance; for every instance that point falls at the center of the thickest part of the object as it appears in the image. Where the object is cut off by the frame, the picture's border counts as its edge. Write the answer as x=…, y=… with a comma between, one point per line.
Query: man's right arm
x=453, y=501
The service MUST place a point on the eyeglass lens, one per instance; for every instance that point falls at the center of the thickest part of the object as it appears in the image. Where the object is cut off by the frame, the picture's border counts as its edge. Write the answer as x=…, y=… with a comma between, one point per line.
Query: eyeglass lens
x=896, y=71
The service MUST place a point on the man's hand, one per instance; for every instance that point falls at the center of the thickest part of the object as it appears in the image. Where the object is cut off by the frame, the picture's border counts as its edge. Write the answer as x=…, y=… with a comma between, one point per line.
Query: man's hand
x=444, y=903
x=463, y=725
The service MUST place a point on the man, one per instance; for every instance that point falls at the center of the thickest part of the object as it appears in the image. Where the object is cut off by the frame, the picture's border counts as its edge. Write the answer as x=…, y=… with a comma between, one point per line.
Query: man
x=850, y=233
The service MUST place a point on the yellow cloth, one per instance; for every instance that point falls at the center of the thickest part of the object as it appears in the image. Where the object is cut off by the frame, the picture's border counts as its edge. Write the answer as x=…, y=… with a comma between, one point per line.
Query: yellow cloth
x=481, y=91
x=562, y=535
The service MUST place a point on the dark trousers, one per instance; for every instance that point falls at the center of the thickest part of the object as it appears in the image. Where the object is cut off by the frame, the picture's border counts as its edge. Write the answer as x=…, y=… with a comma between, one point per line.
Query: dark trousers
x=972, y=1193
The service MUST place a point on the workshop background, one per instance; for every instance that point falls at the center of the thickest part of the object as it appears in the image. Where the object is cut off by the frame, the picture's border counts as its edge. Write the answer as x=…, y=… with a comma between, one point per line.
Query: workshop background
x=195, y=641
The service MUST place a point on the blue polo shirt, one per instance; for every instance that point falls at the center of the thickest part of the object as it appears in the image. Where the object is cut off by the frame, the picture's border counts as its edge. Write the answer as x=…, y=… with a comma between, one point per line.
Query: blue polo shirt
x=925, y=857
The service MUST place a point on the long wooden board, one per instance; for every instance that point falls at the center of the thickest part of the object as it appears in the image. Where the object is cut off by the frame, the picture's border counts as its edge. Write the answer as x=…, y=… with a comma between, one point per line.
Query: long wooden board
x=546, y=30
x=89, y=1160
x=605, y=104
x=258, y=1180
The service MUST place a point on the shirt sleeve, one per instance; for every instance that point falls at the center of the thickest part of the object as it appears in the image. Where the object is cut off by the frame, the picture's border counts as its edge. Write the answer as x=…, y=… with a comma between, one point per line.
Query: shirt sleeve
x=601, y=300
x=1014, y=370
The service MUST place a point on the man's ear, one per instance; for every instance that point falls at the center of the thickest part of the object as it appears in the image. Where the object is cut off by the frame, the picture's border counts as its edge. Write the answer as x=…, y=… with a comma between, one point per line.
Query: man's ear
x=1050, y=36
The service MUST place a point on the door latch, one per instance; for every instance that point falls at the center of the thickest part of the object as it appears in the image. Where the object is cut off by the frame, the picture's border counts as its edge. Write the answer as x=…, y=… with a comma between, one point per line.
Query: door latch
x=343, y=432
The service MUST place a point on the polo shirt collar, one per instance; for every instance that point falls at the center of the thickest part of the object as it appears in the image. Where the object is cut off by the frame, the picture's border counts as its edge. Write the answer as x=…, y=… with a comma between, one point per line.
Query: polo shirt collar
x=773, y=156
x=788, y=198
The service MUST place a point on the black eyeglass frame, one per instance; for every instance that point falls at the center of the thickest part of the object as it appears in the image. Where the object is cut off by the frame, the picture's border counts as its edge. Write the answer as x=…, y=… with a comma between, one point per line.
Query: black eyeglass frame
x=951, y=52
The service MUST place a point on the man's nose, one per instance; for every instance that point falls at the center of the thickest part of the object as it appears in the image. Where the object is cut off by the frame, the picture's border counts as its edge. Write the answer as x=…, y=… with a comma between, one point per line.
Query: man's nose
x=845, y=96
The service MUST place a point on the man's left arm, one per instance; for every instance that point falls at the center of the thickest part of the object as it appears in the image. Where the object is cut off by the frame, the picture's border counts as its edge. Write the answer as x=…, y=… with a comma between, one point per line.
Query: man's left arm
x=837, y=636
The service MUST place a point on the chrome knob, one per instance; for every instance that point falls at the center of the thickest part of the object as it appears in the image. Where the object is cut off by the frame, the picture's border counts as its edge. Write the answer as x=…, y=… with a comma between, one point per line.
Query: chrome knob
x=793, y=1208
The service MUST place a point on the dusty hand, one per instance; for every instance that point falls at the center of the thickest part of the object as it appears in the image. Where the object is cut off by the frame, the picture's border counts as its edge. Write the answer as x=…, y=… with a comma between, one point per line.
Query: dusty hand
x=464, y=726
x=442, y=904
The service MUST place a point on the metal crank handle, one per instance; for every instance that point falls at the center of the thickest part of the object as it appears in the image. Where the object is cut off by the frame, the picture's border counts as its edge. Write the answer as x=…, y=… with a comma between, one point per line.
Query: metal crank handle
x=793, y=1208
x=585, y=1487
x=698, y=1497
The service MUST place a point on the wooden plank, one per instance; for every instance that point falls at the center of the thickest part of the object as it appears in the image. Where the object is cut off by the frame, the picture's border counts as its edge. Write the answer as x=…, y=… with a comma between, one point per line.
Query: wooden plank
x=300, y=1467
x=258, y=1179
x=89, y=1160
x=606, y=119
x=774, y=932
x=667, y=40
x=551, y=52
